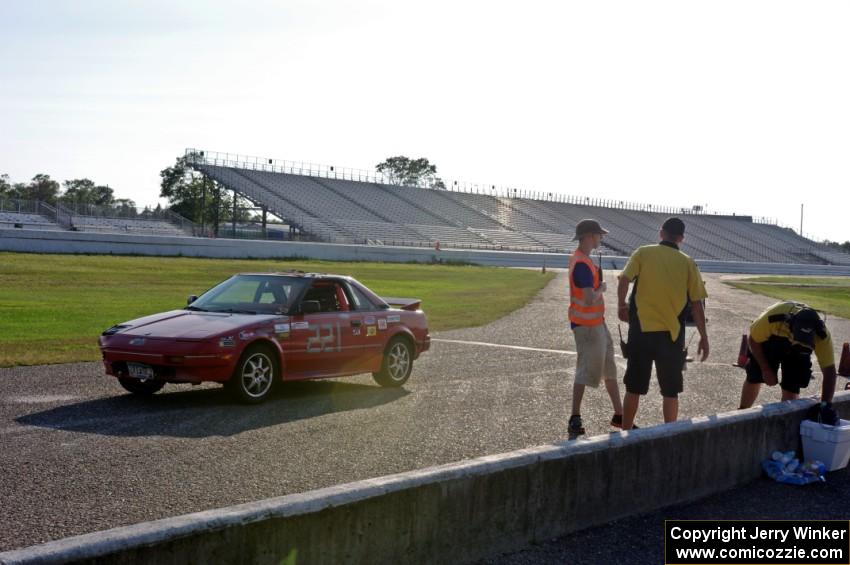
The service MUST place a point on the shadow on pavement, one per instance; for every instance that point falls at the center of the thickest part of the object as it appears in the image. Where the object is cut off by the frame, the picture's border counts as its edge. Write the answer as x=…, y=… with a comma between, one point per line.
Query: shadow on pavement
x=209, y=412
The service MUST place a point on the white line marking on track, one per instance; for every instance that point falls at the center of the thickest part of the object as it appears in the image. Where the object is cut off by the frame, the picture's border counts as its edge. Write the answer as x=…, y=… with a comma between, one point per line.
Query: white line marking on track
x=518, y=347
x=558, y=351
x=40, y=399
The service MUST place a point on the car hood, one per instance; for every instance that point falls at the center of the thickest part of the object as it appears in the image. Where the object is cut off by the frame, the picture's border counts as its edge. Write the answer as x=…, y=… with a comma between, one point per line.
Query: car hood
x=188, y=325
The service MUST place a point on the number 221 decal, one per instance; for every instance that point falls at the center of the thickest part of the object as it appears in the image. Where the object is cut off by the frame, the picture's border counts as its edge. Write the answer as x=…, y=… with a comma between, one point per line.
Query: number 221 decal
x=319, y=343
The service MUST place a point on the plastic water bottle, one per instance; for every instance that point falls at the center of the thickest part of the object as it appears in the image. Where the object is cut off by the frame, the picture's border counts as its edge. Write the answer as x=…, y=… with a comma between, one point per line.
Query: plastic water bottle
x=814, y=467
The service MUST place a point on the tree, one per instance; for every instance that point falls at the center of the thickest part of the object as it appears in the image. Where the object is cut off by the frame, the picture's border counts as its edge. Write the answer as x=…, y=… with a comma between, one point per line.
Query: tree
x=184, y=190
x=203, y=201
x=85, y=191
x=41, y=187
x=18, y=189
x=841, y=246
x=77, y=191
x=5, y=186
x=124, y=207
x=405, y=171
x=9, y=190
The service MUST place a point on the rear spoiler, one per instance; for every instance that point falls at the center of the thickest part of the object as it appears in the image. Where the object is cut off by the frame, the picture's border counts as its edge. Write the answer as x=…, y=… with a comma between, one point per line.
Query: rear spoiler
x=411, y=304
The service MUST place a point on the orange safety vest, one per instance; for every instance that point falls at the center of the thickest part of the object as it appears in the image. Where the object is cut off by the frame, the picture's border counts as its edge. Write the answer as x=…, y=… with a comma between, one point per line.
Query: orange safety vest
x=582, y=311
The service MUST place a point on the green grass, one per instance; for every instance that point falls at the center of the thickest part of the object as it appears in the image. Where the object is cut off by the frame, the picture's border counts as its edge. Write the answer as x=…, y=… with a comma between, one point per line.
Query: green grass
x=826, y=294
x=53, y=307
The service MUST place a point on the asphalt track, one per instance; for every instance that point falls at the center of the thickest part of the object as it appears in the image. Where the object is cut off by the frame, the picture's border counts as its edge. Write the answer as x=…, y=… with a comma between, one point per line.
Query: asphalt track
x=77, y=454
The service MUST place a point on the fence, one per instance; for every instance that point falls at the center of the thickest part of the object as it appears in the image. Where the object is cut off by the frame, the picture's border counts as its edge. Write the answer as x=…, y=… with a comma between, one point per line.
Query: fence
x=85, y=210
x=17, y=206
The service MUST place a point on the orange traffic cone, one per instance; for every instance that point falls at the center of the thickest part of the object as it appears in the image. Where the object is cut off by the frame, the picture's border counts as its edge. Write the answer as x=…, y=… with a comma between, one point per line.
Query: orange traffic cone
x=844, y=364
x=742, y=353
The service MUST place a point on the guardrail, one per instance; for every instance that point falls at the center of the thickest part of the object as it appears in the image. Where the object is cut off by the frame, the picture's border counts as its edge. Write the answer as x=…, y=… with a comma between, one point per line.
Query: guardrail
x=34, y=241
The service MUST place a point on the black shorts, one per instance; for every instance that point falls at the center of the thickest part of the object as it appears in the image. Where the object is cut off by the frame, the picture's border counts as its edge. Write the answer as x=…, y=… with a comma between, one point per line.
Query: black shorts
x=646, y=348
x=795, y=360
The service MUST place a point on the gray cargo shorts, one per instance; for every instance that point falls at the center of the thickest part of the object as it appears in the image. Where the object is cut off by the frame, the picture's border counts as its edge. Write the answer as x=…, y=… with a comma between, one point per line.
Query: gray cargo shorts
x=595, y=350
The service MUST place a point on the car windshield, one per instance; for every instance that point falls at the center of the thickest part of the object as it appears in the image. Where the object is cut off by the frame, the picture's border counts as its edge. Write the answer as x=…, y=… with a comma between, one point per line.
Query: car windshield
x=251, y=294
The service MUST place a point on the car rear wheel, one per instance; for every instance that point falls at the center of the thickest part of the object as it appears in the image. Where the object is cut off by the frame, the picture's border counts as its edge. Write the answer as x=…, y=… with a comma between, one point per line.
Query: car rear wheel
x=137, y=386
x=255, y=376
x=397, y=364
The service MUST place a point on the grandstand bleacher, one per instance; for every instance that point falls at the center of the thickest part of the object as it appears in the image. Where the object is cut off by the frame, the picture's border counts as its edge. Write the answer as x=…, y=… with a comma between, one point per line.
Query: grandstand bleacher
x=21, y=214
x=362, y=209
x=327, y=205
x=25, y=220
x=125, y=225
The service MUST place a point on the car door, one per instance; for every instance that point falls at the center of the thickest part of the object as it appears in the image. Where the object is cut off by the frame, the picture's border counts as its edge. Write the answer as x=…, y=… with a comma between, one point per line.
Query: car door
x=367, y=343
x=317, y=340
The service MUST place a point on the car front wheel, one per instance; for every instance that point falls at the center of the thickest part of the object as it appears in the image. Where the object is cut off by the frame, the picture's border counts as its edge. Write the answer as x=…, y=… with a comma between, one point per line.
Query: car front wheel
x=397, y=364
x=255, y=375
x=140, y=387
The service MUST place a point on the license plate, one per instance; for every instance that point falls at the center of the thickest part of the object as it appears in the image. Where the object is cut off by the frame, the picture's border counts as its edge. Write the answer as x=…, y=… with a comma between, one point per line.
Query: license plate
x=139, y=371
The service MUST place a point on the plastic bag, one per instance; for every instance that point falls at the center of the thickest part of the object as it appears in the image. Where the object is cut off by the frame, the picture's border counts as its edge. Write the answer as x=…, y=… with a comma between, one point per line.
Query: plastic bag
x=786, y=468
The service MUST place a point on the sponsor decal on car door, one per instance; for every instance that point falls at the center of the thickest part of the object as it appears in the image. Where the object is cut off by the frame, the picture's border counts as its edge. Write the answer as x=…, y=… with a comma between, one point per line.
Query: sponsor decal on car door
x=367, y=336
x=314, y=344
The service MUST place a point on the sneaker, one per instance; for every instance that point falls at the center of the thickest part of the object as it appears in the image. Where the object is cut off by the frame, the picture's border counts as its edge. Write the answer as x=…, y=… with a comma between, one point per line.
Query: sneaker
x=576, y=426
x=617, y=422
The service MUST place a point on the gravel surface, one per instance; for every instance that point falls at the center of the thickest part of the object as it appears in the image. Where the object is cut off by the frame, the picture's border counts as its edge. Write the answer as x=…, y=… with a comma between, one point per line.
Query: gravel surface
x=79, y=455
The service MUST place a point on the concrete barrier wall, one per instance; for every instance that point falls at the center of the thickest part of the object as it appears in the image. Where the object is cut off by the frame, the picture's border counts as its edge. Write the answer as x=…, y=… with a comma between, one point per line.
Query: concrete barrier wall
x=464, y=511
x=36, y=241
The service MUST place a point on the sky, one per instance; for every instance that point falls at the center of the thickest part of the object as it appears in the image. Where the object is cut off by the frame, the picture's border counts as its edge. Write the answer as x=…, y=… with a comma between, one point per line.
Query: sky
x=739, y=106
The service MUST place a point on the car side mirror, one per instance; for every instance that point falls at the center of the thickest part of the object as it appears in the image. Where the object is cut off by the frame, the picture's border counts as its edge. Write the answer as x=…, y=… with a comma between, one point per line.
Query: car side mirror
x=310, y=307
x=191, y=299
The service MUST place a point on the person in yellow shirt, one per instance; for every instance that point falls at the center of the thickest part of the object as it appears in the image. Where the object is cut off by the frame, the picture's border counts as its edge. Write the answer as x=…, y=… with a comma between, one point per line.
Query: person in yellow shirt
x=785, y=335
x=666, y=282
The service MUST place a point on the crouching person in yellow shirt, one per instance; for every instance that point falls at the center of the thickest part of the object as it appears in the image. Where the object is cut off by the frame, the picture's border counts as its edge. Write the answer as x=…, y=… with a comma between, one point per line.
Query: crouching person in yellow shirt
x=784, y=336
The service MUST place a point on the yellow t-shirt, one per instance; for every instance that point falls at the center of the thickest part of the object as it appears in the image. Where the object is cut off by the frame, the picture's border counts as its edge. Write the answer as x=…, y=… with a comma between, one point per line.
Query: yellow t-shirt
x=762, y=329
x=667, y=280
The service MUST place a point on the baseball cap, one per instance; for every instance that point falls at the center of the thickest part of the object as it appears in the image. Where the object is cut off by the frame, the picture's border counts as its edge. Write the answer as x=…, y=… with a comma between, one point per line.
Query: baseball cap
x=804, y=326
x=673, y=226
x=587, y=226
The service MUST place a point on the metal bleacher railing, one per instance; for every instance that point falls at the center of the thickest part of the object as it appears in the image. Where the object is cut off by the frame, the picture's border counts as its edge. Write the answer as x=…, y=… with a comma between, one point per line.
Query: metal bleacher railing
x=16, y=206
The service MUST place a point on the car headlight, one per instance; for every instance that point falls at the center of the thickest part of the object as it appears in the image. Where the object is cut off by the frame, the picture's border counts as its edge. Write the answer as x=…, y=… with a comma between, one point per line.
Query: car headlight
x=115, y=329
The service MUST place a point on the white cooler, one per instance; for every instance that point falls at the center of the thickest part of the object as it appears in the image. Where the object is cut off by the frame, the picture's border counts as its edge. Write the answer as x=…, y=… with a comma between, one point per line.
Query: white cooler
x=828, y=444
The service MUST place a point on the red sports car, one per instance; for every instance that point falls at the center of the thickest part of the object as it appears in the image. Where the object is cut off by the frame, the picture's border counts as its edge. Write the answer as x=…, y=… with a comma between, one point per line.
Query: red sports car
x=254, y=330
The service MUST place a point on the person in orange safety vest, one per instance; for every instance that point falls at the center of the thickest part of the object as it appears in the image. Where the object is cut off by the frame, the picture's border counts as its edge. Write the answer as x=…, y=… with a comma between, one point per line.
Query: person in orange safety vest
x=594, y=345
